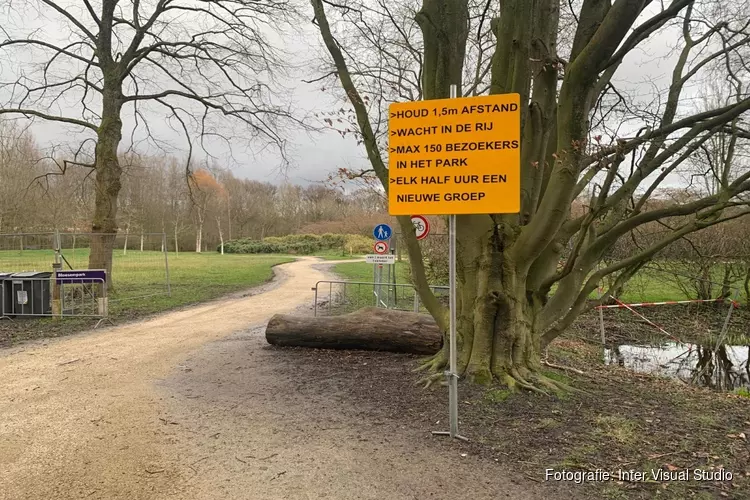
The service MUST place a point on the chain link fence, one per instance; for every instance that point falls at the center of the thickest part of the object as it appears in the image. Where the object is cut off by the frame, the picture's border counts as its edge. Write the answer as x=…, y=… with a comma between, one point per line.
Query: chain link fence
x=335, y=297
x=140, y=263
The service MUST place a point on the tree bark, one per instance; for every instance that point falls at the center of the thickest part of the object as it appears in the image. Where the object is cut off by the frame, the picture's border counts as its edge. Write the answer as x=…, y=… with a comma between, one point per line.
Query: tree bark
x=369, y=329
x=221, y=235
x=199, y=234
x=125, y=244
x=108, y=185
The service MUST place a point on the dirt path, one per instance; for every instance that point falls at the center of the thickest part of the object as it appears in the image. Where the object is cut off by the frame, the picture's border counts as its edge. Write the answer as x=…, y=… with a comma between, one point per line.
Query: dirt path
x=191, y=405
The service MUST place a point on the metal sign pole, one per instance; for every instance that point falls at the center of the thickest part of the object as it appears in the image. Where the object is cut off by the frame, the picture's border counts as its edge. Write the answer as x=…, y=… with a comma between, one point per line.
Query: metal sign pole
x=452, y=374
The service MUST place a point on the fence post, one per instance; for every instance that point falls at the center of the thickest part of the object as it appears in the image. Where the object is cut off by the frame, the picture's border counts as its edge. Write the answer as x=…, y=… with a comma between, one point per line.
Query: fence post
x=315, y=300
x=103, y=301
x=601, y=314
x=56, y=266
x=725, y=328
x=416, y=301
x=166, y=262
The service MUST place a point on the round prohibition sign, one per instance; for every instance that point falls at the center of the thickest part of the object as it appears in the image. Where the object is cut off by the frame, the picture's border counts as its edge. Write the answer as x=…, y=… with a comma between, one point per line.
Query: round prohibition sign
x=381, y=247
x=421, y=226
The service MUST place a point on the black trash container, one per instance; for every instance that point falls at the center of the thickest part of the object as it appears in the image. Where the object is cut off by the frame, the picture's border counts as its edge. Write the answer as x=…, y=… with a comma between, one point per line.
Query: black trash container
x=5, y=295
x=30, y=294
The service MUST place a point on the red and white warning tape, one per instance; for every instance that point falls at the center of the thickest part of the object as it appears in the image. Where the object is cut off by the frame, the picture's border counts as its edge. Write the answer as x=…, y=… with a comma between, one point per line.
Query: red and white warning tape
x=669, y=302
x=644, y=318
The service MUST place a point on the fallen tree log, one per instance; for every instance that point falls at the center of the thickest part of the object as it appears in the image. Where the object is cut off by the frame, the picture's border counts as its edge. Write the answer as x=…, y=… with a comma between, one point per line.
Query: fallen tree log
x=370, y=328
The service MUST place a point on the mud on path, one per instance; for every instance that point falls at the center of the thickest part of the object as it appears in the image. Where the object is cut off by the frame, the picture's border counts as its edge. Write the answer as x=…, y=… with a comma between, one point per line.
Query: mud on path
x=193, y=405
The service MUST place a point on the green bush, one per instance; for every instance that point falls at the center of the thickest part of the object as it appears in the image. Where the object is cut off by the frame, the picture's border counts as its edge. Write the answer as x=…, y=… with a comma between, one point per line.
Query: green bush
x=301, y=248
x=435, y=254
x=252, y=246
x=357, y=244
x=301, y=244
x=331, y=241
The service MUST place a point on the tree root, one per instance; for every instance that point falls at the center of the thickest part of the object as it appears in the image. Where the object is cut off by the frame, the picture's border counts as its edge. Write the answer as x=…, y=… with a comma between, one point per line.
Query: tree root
x=519, y=378
x=523, y=383
x=436, y=363
x=563, y=368
x=434, y=366
x=515, y=378
x=430, y=379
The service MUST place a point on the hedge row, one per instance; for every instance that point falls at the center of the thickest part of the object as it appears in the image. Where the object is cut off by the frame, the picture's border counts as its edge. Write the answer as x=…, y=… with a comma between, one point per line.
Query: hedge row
x=301, y=244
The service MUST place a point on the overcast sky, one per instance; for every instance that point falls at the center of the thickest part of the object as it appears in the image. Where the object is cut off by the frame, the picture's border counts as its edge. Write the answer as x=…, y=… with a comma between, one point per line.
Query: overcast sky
x=314, y=156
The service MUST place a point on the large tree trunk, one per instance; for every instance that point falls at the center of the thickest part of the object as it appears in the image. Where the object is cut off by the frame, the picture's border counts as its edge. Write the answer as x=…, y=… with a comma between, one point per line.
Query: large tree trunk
x=497, y=303
x=369, y=328
x=496, y=320
x=108, y=185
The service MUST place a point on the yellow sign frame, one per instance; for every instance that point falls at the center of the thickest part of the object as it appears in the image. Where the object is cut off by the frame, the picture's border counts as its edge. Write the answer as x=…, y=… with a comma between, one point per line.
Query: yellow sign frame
x=455, y=156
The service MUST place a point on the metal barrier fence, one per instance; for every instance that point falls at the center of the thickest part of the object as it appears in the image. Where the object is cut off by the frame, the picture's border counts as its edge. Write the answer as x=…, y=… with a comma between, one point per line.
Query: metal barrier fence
x=26, y=295
x=340, y=297
x=140, y=264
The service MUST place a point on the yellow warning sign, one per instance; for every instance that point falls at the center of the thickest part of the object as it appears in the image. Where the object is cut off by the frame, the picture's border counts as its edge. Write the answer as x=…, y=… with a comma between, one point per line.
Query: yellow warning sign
x=455, y=156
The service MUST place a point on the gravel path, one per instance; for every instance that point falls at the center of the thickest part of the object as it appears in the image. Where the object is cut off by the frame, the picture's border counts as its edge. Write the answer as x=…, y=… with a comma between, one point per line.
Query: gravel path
x=193, y=405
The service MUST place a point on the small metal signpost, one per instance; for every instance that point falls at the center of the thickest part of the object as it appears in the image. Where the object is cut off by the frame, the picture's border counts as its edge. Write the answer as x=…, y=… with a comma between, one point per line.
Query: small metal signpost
x=454, y=156
x=382, y=234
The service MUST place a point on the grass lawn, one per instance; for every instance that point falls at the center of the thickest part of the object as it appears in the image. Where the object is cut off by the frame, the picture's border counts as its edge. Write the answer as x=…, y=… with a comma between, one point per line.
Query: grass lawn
x=351, y=297
x=362, y=271
x=140, y=284
x=336, y=255
x=646, y=286
x=195, y=278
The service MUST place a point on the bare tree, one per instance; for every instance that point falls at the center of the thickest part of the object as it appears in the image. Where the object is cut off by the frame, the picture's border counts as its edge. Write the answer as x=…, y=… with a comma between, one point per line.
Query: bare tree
x=508, y=264
x=18, y=157
x=91, y=64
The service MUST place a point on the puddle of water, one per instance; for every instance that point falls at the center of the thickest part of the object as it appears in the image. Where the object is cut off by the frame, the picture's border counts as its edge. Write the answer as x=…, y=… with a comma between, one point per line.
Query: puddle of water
x=726, y=369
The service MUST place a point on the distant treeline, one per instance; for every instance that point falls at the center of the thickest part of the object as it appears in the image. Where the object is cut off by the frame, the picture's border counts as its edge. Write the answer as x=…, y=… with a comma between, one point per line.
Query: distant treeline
x=196, y=212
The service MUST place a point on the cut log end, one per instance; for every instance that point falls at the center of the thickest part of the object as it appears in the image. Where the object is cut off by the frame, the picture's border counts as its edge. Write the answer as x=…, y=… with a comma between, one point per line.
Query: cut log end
x=370, y=328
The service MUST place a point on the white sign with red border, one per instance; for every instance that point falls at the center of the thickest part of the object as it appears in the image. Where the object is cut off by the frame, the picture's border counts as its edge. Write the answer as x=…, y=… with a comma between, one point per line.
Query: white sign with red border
x=421, y=226
x=380, y=247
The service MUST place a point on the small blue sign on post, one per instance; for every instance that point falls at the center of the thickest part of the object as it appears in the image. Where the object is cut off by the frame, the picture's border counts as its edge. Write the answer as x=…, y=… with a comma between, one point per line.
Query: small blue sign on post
x=382, y=232
x=81, y=276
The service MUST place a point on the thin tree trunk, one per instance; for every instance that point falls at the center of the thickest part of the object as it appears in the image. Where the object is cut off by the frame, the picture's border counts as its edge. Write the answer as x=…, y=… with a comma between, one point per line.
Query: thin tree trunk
x=142, y=238
x=229, y=220
x=221, y=235
x=125, y=245
x=199, y=234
